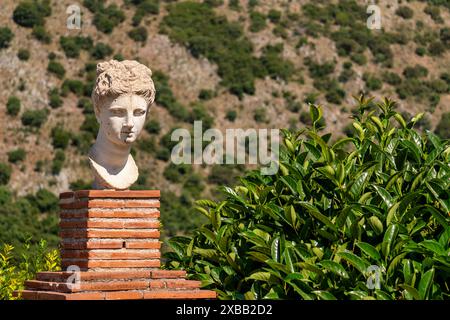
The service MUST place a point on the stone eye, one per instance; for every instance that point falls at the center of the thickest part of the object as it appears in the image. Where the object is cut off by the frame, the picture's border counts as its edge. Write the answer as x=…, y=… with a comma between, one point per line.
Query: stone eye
x=139, y=112
x=118, y=112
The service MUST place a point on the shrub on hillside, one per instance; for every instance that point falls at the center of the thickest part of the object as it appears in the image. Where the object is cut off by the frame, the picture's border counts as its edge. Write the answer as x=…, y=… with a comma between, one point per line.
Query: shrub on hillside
x=60, y=137
x=372, y=82
x=196, y=26
x=260, y=115
x=404, y=12
x=153, y=126
x=73, y=45
x=23, y=54
x=41, y=34
x=257, y=21
x=56, y=68
x=5, y=173
x=30, y=13
x=334, y=209
x=13, y=106
x=105, y=18
x=273, y=63
x=434, y=12
x=34, y=118
x=54, y=100
x=436, y=48
x=166, y=98
x=274, y=16
x=231, y=115
x=417, y=71
x=443, y=127
x=143, y=8
x=17, y=155
x=6, y=36
x=73, y=85
x=58, y=161
x=138, y=34
x=101, y=51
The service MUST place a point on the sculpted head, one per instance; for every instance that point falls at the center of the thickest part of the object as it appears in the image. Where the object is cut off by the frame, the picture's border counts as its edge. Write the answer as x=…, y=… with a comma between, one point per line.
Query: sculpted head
x=122, y=96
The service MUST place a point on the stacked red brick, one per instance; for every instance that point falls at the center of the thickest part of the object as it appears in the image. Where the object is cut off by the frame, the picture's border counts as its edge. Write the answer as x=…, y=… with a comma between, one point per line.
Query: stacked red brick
x=110, y=229
x=112, y=238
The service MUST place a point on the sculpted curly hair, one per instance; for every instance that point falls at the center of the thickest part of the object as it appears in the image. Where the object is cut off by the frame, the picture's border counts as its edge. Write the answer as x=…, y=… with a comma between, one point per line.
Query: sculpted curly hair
x=115, y=78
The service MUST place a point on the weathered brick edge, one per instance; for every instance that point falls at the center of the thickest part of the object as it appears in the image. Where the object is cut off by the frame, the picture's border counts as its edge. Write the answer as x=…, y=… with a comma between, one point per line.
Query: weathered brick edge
x=111, y=194
x=123, y=285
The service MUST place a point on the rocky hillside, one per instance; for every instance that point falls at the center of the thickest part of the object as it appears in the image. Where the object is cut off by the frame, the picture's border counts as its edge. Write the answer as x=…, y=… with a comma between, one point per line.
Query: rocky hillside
x=231, y=63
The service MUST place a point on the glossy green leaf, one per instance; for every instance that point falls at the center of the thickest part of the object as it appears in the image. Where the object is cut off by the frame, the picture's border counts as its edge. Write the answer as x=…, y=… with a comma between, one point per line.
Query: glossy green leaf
x=316, y=214
x=334, y=267
x=355, y=261
x=388, y=239
x=425, y=283
x=370, y=250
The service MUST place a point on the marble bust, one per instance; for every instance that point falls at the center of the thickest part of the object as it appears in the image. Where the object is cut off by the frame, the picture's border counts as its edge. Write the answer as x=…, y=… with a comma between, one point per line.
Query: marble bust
x=122, y=97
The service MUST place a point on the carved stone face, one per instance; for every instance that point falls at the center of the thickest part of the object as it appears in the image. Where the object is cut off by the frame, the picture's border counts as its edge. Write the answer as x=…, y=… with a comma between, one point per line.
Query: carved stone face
x=122, y=119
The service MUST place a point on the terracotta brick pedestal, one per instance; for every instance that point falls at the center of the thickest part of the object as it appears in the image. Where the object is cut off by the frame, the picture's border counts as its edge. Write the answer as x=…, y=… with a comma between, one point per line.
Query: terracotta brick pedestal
x=112, y=238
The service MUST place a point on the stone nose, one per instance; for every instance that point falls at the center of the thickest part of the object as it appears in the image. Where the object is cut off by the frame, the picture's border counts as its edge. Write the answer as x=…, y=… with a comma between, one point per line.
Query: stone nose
x=129, y=123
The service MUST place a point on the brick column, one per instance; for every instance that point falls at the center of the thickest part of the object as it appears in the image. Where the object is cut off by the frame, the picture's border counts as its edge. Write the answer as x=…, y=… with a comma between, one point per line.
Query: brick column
x=112, y=238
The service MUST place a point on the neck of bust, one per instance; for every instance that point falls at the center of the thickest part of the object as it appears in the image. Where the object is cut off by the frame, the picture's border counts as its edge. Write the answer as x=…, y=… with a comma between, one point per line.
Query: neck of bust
x=109, y=155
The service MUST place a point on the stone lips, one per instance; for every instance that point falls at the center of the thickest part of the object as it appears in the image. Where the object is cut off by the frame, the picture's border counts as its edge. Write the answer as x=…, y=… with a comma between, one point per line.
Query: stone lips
x=112, y=237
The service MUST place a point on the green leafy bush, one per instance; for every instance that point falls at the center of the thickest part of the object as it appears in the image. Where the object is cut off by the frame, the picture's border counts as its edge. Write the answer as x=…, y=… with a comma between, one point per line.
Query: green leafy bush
x=206, y=94
x=17, y=155
x=13, y=106
x=144, y=7
x=436, y=48
x=274, y=64
x=44, y=200
x=56, y=68
x=231, y=115
x=55, y=100
x=101, y=50
x=257, y=21
x=311, y=231
x=392, y=78
x=196, y=26
x=260, y=115
x=443, y=127
x=34, y=118
x=372, y=82
x=274, y=16
x=200, y=113
x=5, y=173
x=73, y=45
x=58, y=161
x=60, y=137
x=417, y=71
x=166, y=98
x=16, y=268
x=73, y=85
x=153, y=126
x=404, y=12
x=176, y=173
x=6, y=36
x=41, y=34
x=90, y=124
x=30, y=13
x=138, y=34
x=105, y=18
x=434, y=12
x=34, y=215
x=23, y=54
